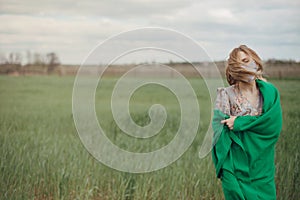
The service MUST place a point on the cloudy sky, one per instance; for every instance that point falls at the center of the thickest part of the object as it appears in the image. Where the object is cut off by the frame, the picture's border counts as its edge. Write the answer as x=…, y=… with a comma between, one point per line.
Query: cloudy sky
x=73, y=28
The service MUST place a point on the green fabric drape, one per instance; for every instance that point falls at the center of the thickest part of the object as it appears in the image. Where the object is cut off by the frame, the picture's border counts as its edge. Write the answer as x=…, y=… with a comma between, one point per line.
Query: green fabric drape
x=244, y=157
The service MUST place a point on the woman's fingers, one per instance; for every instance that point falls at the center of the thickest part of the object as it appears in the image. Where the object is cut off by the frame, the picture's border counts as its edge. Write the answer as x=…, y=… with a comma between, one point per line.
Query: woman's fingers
x=228, y=122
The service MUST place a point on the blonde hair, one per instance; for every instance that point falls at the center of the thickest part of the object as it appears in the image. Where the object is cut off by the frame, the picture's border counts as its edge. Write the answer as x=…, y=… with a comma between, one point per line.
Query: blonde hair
x=234, y=71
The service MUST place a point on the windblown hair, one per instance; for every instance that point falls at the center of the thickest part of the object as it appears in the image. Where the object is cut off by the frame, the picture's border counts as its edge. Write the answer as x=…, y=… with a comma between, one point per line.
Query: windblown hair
x=236, y=73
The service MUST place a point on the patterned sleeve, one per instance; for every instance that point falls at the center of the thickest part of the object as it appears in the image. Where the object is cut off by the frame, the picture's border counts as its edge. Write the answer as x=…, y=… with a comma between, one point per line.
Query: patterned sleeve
x=222, y=101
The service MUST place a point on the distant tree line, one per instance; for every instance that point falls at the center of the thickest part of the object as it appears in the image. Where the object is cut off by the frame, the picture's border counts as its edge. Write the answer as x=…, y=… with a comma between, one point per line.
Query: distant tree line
x=281, y=62
x=269, y=62
x=14, y=62
x=30, y=63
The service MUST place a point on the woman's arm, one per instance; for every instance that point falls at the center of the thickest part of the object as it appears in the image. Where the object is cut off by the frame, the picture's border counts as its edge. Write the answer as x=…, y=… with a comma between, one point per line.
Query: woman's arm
x=222, y=101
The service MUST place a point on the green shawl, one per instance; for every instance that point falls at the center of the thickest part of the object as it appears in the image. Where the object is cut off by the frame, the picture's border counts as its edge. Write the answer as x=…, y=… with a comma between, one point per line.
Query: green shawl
x=248, y=150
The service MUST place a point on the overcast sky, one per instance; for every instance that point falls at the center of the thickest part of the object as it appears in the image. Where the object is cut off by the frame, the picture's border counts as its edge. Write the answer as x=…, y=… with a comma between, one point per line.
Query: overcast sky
x=73, y=28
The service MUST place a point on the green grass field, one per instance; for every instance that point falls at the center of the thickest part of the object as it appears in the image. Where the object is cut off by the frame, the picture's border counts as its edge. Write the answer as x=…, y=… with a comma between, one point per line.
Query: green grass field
x=42, y=156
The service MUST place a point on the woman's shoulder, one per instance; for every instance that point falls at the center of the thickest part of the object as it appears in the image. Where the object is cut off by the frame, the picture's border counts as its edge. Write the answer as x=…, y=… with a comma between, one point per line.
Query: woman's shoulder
x=230, y=90
x=268, y=84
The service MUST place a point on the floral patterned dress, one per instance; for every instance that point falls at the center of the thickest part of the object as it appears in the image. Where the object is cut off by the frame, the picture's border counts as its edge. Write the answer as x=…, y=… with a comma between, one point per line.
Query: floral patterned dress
x=231, y=101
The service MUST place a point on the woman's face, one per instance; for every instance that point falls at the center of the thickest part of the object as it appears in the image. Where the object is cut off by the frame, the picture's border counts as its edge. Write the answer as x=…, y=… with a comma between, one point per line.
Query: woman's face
x=248, y=64
x=244, y=58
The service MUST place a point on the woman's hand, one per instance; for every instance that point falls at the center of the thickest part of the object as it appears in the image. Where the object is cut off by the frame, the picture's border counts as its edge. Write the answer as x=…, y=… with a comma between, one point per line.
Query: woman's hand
x=229, y=122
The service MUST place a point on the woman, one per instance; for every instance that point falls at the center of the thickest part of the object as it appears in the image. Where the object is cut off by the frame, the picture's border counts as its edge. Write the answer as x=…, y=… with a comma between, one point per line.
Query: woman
x=247, y=122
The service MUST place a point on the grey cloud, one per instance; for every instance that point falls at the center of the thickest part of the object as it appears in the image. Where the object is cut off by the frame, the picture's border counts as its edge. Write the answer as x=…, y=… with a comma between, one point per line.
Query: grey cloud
x=69, y=26
x=113, y=9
